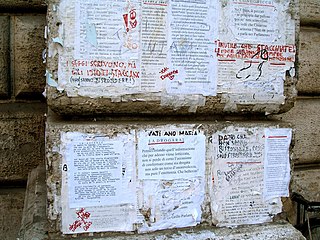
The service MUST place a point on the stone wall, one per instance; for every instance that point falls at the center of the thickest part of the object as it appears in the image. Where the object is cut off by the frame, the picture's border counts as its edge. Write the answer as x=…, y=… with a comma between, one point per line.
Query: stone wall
x=97, y=88
x=306, y=113
x=92, y=73
x=22, y=105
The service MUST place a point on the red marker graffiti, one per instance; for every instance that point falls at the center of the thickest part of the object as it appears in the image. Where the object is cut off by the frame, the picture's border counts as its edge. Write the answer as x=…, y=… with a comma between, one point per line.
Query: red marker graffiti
x=130, y=19
x=133, y=20
x=83, y=216
x=125, y=18
x=165, y=74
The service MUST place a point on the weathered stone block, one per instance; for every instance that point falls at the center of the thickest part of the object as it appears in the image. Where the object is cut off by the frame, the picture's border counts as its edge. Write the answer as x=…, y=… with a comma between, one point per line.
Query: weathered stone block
x=65, y=139
x=309, y=64
x=18, y=5
x=305, y=117
x=307, y=183
x=21, y=140
x=34, y=219
x=11, y=207
x=29, y=69
x=94, y=71
x=34, y=224
x=309, y=11
x=4, y=55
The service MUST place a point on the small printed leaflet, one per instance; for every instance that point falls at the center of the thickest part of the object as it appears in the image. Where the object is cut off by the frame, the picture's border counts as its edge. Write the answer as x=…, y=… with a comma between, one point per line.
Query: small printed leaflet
x=277, y=164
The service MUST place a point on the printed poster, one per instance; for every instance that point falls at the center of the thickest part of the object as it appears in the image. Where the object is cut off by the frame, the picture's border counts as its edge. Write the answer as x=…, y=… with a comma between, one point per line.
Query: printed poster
x=239, y=179
x=96, y=171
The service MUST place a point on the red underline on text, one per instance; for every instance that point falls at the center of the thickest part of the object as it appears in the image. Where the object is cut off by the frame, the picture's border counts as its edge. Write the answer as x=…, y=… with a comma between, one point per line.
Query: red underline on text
x=226, y=60
x=252, y=4
x=250, y=62
x=157, y=4
x=280, y=64
x=277, y=137
x=243, y=162
x=165, y=143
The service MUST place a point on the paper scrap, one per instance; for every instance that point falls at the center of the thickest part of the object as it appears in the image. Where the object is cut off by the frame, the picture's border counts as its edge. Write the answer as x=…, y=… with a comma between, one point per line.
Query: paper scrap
x=170, y=204
x=50, y=81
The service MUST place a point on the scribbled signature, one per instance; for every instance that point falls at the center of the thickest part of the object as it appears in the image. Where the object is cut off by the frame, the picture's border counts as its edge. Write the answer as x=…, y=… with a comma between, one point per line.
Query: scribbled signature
x=246, y=72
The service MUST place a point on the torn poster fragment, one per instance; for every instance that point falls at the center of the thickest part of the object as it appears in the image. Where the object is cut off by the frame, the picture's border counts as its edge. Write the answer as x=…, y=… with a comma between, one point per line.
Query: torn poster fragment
x=237, y=195
x=276, y=163
x=137, y=47
x=165, y=204
x=255, y=47
x=256, y=22
x=193, y=27
x=98, y=219
x=96, y=171
x=171, y=154
x=253, y=73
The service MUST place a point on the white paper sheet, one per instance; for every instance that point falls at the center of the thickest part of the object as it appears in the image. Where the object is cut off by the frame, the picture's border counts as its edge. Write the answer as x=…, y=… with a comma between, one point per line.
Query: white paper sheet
x=237, y=194
x=154, y=38
x=277, y=164
x=101, y=54
x=255, y=48
x=170, y=154
x=91, y=163
x=256, y=22
x=193, y=27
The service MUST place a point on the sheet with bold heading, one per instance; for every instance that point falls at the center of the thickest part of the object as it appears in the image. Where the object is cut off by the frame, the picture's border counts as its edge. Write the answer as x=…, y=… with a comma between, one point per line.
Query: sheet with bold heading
x=170, y=154
x=171, y=173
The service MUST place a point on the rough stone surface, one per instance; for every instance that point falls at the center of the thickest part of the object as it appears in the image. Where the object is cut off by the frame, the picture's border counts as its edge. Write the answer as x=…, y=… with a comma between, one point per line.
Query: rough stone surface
x=309, y=64
x=16, y=5
x=29, y=69
x=307, y=183
x=21, y=140
x=4, y=56
x=33, y=224
x=11, y=207
x=310, y=12
x=64, y=105
x=275, y=231
x=305, y=118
